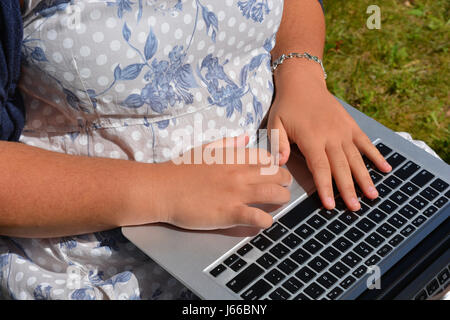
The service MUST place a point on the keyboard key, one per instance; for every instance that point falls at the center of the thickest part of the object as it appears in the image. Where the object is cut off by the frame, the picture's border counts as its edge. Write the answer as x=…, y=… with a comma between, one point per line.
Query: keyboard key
x=375, y=177
x=397, y=221
x=443, y=276
x=218, y=270
x=384, y=150
x=316, y=222
x=347, y=282
x=279, y=250
x=300, y=256
x=312, y=246
x=360, y=271
x=305, y=274
x=325, y=236
x=417, y=222
x=406, y=231
x=396, y=240
x=336, y=227
x=374, y=239
x=371, y=202
x=314, y=290
x=228, y=261
x=276, y=231
x=301, y=211
x=335, y=293
x=407, y=170
x=421, y=296
x=348, y=217
x=398, y=197
x=383, y=190
x=362, y=210
x=408, y=212
x=354, y=234
x=376, y=216
x=339, y=269
x=388, y=206
x=266, y=260
x=386, y=230
x=419, y=202
x=274, y=276
x=304, y=231
x=432, y=287
x=237, y=265
x=291, y=240
x=384, y=250
x=246, y=248
x=327, y=280
x=318, y=264
x=287, y=266
x=351, y=259
x=422, y=178
x=439, y=185
x=365, y=225
x=430, y=211
x=328, y=214
x=363, y=249
x=292, y=285
x=429, y=193
x=257, y=290
x=339, y=204
x=409, y=189
x=373, y=260
x=244, y=278
x=395, y=159
x=301, y=296
x=261, y=242
x=342, y=244
x=279, y=294
x=392, y=182
x=440, y=202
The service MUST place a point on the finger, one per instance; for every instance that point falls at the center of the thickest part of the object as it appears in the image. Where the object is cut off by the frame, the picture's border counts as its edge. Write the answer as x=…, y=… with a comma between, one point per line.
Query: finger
x=364, y=145
x=342, y=176
x=277, y=132
x=231, y=142
x=267, y=193
x=359, y=171
x=251, y=216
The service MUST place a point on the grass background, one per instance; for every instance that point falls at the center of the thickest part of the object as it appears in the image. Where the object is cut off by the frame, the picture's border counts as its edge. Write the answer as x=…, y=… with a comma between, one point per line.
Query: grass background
x=398, y=74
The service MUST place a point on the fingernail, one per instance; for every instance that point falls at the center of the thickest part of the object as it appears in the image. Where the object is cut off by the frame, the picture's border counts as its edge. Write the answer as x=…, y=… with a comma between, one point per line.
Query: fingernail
x=329, y=201
x=355, y=202
x=372, y=191
x=387, y=166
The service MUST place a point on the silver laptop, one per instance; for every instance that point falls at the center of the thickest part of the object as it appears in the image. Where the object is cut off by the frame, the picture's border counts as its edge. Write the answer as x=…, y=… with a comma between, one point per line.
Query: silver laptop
x=310, y=252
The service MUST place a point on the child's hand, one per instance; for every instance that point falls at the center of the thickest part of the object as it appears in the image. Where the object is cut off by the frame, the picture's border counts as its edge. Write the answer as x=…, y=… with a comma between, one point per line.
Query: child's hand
x=307, y=114
x=212, y=196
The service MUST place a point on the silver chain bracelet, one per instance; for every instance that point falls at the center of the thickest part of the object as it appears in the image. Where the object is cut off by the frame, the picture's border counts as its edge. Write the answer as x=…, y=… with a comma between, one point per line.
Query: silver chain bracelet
x=305, y=55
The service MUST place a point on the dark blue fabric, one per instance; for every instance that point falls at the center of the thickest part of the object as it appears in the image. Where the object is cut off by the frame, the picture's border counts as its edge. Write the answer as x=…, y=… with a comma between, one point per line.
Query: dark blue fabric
x=12, y=110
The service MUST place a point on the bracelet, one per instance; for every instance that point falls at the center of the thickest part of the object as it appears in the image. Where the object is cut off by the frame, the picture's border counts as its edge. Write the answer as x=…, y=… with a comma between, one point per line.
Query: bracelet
x=305, y=55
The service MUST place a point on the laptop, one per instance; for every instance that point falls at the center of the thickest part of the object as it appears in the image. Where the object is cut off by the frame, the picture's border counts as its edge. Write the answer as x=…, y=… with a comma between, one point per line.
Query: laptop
x=394, y=247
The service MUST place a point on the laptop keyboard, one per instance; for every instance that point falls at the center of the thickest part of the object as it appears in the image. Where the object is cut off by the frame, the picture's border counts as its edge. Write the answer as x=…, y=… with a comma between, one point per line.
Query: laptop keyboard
x=315, y=253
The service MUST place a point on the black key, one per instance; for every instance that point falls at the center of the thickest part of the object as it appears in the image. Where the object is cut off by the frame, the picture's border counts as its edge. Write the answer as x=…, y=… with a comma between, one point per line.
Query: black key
x=409, y=189
x=261, y=242
x=395, y=241
x=228, y=261
x=419, y=202
x=418, y=221
x=432, y=287
x=375, y=176
x=430, y=211
x=287, y=266
x=407, y=170
x=392, y=182
x=316, y=221
x=406, y=231
x=347, y=282
x=218, y=270
x=324, y=236
x=362, y=210
x=327, y=280
x=443, y=276
x=335, y=293
x=304, y=231
x=440, y=202
x=305, y=274
x=386, y=230
x=336, y=227
x=300, y=256
x=328, y=214
x=238, y=264
x=342, y=244
x=279, y=250
x=388, y=206
x=301, y=296
x=348, y=217
x=246, y=248
x=354, y=234
x=398, y=197
x=383, y=190
x=384, y=250
x=351, y=259
x=365, y=225
x=429, y=193
x=421, y=296
x=318, y=264
x=371, y=202
x=291, y=240
x=363, y=249
x=279, y=294
x=314, y=290
x=374, y=239
x=257, y=290
x=276, y=231
x=447, y=194
x=312, y=246
x=397, y=221
x=439, y=185
x=384, y=150
x=373, y=260
x=340, y=204
x=244, y=278
x=292, y=285
x=274, y=276
x=360, y=271
x=376, y=215
x=408, y=212
x=301, y=211
x=395, y=159
x=422, y=178
x=330, y=254
x=266, y=260
x=339, y=269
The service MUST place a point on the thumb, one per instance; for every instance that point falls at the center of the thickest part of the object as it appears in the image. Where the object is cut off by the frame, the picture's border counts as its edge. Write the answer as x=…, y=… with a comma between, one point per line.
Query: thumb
x=284, y=147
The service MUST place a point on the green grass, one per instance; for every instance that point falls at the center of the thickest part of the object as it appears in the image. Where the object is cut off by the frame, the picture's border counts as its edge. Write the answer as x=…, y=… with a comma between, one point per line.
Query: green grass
x=399, y=74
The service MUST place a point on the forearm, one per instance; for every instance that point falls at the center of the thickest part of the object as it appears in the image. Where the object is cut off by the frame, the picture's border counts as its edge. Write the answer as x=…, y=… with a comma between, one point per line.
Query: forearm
x=48, y=194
